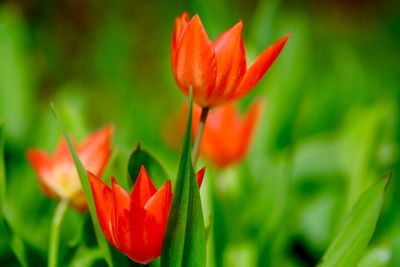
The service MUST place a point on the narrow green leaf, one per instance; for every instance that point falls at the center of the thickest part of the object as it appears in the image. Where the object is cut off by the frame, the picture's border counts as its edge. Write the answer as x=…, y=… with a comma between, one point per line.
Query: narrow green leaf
x=141, y=157
x=14, y=240
x=350, y=243
x=2, y=175
x=185, y=242
x=87, y=191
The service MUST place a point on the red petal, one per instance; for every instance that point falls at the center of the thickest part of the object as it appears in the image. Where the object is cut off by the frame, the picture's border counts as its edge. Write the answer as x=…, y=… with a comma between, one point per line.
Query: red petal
x=230, y=56
x=143, y=188
x=159, y=204
x=200, y=176
x=96, y=150
x=180, y=27
x=121, y=216
x=195, y=61
x=104, y=201
x=150, y=224
x=62, y=152
x=258, y=68
x=221, y=134
x=43, y=167
x=248, y=126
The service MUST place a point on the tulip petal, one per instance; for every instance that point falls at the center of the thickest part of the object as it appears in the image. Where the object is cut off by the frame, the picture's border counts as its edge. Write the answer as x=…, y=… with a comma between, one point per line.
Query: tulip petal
x=159, y=204
x=143, y=188
x=248, y=125
x=43, y=166
x=104, y=202
x=230, y=57
x=96, y=150
x=200, y=176
x=259, y=67
x=121, y=223
x=180, y=27
x=195, y=61
x=62, y=152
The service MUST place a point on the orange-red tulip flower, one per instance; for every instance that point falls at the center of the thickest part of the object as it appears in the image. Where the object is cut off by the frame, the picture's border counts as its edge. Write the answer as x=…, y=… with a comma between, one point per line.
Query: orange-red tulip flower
x=227, y=136
x=134, y=223
x=57, y=174
x=217, y=71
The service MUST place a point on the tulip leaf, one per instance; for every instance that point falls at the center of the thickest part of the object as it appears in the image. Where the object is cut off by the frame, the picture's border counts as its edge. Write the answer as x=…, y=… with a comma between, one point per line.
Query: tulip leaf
x=185, y=241
x=13, y=239
x=87, y=191
x=2, y=175
x=352, y=240
x=141, y=157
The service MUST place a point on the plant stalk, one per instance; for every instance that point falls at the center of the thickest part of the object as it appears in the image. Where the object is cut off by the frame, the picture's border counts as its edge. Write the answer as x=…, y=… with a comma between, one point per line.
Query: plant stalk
x=199, y=135
x=55, y=232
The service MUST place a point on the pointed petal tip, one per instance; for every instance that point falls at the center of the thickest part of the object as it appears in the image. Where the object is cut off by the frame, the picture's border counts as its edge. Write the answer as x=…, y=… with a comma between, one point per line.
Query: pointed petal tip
x=282, y=42
x=185, y=16
x=92, y=177
x=168, y=186
x=239, y=25
x=200, y=176
x=113, y=181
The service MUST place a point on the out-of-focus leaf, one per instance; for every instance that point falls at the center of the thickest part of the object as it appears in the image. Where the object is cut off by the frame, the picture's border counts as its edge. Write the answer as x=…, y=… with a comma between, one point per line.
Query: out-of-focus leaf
x=2, y=175
x=86, y=257
x=185, y=242
x=395, y=251
x=88, y=193
x=141, y=157
x=208, y=225
x=15, y=242
x=350, y=243
x=15, y=82
x=376, y=257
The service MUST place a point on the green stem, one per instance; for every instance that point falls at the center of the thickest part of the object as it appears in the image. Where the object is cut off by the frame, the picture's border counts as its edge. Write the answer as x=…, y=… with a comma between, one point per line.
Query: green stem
x=199, y=135
x=55, y=233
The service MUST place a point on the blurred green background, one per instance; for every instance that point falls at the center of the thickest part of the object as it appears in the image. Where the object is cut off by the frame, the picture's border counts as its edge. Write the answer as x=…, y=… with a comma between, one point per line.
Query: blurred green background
x=330, y=129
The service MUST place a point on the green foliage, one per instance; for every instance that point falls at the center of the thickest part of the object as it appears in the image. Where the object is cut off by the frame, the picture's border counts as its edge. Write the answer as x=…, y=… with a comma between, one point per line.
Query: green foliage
x=349, y=245
x=185, y=241
x=331, y=125
x=141, y=157
x=88, y=193
x=13, y=239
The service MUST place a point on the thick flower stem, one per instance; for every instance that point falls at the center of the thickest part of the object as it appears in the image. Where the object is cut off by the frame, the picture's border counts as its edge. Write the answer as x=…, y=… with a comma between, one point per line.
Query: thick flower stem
x=199, y=135
x=55, y=233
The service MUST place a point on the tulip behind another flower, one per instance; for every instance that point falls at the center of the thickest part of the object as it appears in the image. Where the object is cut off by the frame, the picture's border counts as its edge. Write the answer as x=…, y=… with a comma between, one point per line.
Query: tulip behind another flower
x=57, y=174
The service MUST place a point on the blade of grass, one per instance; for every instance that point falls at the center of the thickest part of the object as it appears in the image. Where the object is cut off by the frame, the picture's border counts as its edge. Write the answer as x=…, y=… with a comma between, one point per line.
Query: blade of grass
x=350, y=243
x=87, y=191
x=185, y=241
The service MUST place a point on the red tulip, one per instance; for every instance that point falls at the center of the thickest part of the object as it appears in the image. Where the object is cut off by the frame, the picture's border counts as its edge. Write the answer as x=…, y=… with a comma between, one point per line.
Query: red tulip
x=57, y=174
x=227, y=136
x=216, y=70
x=134, y=223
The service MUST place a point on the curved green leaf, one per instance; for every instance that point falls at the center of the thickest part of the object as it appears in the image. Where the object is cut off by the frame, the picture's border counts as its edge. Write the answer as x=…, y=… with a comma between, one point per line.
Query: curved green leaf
x=350, y=243
x=87, y=191
x=141, y=157
x=185, y=242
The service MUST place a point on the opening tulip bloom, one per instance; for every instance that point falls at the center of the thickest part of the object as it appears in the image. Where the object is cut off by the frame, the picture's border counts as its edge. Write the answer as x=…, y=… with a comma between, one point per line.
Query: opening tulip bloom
x=216, y=70
x=227, y=135
x=57, y=174
x=134, y=223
